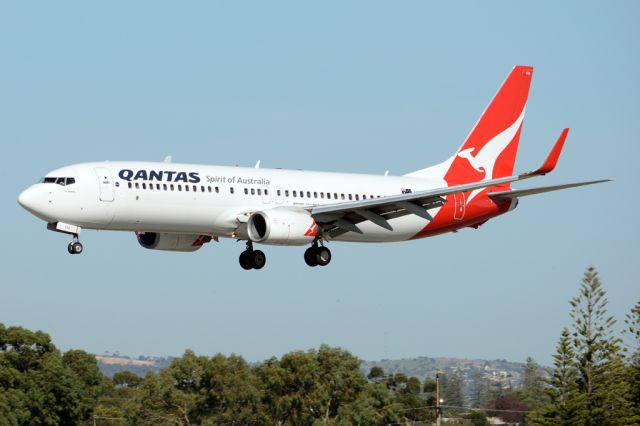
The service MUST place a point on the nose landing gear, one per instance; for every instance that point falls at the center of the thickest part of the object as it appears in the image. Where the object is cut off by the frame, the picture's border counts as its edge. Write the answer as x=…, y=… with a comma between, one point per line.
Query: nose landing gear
x=75, y=246
x=252, y=259
x=317, y=255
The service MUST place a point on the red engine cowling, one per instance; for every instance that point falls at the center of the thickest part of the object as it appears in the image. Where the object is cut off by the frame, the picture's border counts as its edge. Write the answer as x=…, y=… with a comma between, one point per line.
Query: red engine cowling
x=171, y=242
x=282, y=227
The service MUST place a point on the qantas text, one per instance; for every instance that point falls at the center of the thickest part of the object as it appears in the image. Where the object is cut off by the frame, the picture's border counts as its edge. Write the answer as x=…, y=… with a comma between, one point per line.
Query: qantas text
x=162, y=175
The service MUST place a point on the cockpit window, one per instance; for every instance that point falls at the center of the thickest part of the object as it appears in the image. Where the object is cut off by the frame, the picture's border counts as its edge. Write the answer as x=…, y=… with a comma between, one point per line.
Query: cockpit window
x=59, y=180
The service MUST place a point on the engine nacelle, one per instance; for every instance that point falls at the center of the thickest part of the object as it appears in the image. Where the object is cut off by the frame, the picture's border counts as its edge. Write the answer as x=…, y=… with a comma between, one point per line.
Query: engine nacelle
x=282, y=227
x=171, y=242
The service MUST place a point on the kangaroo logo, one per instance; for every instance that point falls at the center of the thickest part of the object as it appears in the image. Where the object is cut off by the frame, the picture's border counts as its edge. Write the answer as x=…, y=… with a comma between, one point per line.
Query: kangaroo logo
x=312, y=231
x=485, y=159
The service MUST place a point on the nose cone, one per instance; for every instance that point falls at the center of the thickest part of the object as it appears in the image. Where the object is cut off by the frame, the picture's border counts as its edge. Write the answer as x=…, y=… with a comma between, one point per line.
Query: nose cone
x=31, y=200
x=27, y=199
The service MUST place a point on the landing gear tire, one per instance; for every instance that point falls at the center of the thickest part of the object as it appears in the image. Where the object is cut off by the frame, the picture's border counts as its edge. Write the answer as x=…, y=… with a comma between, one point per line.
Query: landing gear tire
x=258, y=259
x=317, y=255
x=245, y=261
x=252, y=259
x=75, y=247
x=323, y=256
x=310, y=257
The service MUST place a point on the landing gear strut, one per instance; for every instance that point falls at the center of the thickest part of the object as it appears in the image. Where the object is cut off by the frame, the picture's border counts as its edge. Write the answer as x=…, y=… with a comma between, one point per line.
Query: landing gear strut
x=317, y=255
x=252, y=259
x=75, y=246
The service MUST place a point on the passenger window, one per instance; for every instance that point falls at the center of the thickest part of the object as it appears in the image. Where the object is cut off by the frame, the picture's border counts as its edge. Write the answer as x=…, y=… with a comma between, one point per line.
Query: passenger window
x=217, y=189
x=322, y=195
x=195, y=188
x=301, y=194
x=137, y=185
x=259, y=191
x=342, y=196
x=335, y=196
x=315, y=195
x=186, y=188
x=350, y=197
x=172, y=187
x=151, y=187
x=231, y=189
x=209, y=188
x=129, y=184
x=266, y=192
x=164, y=186
x=364, y=197
x=278, y=192
x=246, y=191
x=202, y=189
x=357, y=197
x=294, y=193
x=253, y=191
x=328, y=195
x=158, y=186
x=308, y=194
x=286, y=192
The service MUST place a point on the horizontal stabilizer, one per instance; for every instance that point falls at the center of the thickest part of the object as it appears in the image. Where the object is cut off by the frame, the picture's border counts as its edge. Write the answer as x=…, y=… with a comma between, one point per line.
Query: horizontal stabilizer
x=540, y=189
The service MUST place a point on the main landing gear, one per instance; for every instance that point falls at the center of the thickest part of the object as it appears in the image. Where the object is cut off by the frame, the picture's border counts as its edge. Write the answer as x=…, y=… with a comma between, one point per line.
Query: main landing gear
x=75, y=246
x=317, y=255
x=252, y=259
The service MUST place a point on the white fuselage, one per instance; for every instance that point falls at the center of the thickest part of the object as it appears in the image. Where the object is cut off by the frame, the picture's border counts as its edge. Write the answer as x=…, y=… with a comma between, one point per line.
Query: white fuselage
x=208, y=200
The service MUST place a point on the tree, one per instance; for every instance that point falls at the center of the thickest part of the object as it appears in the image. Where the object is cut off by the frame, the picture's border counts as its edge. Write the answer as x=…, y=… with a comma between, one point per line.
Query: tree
x=376, y=373
x=532, y=385
x=451, y=385
x=38, y=386
x=127, y=379
x=477, y=418
x=601, y=372
x=566, y=403
x=633, y=329
x=508, y=408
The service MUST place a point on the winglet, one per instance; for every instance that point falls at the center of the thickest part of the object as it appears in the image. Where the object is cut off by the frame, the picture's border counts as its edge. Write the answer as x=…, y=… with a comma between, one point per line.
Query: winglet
x=552, y=159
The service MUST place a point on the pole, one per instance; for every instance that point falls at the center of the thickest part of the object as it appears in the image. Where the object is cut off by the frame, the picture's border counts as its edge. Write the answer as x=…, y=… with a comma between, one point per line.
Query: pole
x=438, y=420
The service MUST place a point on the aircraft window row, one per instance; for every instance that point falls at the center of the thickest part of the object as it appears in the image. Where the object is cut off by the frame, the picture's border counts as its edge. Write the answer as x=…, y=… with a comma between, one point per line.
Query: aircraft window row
x=172, y=187
x=247, y=191
x=322, y=195
x=64, y=181
x=255, y=191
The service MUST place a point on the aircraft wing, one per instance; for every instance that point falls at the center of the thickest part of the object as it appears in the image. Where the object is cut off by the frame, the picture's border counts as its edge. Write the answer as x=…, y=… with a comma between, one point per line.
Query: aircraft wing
x=540, y=189
x=339, y=218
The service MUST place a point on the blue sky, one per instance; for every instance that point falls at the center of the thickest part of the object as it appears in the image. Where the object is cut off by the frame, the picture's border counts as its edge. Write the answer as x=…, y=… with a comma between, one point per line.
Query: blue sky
x=341, y=86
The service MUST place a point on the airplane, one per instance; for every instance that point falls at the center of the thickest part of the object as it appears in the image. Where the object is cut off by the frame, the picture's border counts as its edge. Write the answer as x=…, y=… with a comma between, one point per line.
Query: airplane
x=180, y=207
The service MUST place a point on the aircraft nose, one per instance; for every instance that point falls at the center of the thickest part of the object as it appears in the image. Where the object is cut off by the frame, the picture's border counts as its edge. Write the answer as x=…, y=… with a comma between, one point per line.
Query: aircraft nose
x=26, y=198
x=31, y=200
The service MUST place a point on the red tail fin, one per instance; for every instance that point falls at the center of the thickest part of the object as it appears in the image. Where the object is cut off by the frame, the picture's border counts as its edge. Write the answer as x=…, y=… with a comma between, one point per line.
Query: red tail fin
x=489, y=151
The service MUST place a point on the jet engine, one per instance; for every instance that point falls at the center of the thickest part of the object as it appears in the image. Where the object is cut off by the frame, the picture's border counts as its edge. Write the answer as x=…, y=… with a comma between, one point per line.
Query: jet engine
x=171, y=242
x=281, y=226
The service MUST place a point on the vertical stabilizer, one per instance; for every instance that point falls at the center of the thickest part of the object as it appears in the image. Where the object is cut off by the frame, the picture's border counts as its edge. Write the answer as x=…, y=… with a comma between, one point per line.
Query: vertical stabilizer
x=489, y=151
